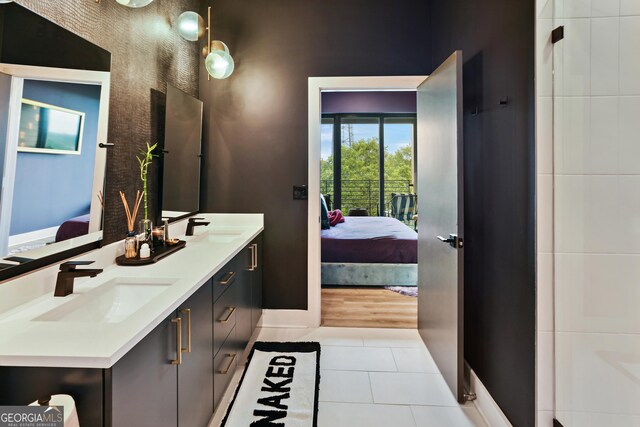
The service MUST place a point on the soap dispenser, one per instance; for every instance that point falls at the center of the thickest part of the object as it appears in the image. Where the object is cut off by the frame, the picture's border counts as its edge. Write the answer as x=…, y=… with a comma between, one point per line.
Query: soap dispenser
x=145, y=251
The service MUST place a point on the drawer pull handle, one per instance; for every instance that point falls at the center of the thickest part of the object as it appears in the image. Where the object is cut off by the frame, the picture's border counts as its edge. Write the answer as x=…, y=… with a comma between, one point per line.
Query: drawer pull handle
x=255, y=255
x=178, y=323
x=252, y=267
x=228, y=278
x=231, y=311
x=187, y=311
x=225, y=371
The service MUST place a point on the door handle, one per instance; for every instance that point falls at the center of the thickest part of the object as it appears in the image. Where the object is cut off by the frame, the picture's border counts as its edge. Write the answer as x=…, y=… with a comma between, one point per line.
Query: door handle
x=178, y=322
x=187, y=311
x=453, y=240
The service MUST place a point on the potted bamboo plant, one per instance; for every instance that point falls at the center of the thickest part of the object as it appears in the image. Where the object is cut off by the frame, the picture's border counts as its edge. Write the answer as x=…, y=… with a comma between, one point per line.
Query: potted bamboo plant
x=144, y=160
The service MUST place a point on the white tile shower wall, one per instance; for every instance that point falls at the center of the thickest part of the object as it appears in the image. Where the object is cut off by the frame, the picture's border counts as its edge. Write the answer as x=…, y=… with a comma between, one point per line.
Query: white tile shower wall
x=596, y=216
x=544, y=185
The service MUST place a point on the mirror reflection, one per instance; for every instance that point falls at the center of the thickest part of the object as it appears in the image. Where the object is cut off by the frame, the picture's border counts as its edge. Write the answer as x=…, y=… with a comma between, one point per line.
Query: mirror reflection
x=181, y=154
x=53, y=127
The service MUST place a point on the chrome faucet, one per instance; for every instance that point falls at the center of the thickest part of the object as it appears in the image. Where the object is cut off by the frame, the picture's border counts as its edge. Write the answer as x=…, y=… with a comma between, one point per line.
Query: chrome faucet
x=194, y=222
x=68, y=272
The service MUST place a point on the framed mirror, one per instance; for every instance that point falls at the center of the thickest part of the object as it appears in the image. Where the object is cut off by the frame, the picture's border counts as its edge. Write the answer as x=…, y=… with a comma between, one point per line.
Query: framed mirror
x=54, y=107
x=181, y=155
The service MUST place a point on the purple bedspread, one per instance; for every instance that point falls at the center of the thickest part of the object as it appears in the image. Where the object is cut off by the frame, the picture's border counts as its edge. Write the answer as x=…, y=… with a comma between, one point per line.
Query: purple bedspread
x=78, y=226
x=370, y=239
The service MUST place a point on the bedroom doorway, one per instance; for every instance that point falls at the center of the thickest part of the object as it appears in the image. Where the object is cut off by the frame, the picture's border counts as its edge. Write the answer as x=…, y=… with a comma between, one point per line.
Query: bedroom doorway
x=369, y=235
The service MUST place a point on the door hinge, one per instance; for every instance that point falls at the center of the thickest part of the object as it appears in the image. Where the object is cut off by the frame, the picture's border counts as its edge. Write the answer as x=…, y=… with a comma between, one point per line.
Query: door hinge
x=557, y=34
x=470, y=397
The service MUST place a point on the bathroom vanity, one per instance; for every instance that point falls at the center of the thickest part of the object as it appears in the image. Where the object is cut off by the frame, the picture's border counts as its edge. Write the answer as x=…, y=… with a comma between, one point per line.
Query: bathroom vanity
x=155, y=345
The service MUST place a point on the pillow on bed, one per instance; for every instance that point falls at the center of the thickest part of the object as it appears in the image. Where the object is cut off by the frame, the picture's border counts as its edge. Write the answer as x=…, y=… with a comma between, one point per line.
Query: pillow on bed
x=324, y=214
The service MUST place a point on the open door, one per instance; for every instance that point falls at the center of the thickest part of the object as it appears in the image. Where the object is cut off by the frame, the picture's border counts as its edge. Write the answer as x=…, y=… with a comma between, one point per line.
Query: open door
x=440, y=220
x=6, y=184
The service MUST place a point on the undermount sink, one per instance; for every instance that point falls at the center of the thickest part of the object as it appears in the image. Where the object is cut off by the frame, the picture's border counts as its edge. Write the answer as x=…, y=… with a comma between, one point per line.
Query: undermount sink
x=219, y=236
x=111, y=302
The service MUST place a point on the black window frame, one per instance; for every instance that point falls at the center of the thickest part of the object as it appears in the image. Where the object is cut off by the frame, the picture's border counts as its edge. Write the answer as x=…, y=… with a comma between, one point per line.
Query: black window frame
x=337, y=150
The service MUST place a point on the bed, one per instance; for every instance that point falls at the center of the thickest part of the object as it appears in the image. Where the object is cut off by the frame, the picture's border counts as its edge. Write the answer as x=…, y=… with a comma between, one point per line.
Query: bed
x=369, y=251
x=74, y=227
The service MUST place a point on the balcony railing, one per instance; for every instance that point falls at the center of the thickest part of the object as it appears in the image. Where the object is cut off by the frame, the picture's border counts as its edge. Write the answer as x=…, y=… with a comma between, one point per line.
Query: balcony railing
x=364, y=193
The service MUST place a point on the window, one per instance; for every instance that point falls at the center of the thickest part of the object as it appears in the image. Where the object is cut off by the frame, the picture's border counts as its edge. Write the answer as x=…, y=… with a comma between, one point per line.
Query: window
x=365, y=158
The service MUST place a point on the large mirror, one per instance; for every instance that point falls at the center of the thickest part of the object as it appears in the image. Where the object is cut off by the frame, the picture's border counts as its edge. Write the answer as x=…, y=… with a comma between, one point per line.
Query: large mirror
x=181, y=154
x=54, y=100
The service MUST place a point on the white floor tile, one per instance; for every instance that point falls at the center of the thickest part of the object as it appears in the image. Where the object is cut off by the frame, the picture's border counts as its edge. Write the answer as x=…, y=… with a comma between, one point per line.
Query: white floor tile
x=345, y=386
x=437, y=416
x=411, y=389
x=399, y=338
x=325, y=336
x=357, y=414
x=350, y=337
x=357, y=359
x=414, y=360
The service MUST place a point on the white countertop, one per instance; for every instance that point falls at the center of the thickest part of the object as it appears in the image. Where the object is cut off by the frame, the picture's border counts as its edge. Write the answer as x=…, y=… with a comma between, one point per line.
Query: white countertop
x=28, y=342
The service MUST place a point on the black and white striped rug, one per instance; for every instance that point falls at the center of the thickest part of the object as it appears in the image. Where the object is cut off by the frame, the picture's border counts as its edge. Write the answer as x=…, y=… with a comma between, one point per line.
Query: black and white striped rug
x=279, y=386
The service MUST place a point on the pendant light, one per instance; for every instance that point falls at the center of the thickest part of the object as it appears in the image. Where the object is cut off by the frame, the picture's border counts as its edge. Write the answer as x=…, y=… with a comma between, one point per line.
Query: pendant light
x=134, y=3
x=218, y=61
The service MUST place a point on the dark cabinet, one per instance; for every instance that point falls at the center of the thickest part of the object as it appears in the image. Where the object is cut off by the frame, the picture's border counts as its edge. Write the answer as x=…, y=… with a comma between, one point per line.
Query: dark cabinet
x=143, y=385
x=167, y=378
x=256, y=282
x=195, y=374
x=250, y=291
x=177, y=374
x=244, y=327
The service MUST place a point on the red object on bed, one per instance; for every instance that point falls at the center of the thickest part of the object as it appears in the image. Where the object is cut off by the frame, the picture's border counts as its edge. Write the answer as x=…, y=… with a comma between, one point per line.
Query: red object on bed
x=377, y=240
x=335, y=217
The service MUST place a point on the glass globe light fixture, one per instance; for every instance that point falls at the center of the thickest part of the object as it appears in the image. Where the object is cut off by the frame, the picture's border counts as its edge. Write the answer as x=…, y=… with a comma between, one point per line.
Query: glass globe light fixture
x=219, y=63
x=191, y=26
x=134, y=3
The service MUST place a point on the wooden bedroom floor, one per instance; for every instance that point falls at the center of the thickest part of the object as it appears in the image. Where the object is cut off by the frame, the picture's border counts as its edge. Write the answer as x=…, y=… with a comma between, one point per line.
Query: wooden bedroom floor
x=368, y=308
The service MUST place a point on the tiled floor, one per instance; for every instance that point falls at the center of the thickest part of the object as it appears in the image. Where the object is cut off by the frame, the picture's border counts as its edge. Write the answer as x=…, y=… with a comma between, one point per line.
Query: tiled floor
x=375, y=378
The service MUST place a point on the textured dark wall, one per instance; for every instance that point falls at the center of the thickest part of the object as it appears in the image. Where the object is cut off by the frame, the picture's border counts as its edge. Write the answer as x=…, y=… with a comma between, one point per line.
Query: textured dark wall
x=146, y=54
x=255, y=122
x=497, y=39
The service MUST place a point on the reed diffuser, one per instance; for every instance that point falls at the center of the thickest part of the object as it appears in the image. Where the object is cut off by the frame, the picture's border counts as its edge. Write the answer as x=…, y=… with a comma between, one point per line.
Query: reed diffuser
x=131, y=242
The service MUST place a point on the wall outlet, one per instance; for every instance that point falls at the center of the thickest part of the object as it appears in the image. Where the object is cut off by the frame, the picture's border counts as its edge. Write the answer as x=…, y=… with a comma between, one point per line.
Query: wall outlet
x=300, y=192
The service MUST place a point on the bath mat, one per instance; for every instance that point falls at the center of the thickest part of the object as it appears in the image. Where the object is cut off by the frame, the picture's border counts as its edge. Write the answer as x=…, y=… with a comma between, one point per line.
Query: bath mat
x=410, y=291
x=279, y=386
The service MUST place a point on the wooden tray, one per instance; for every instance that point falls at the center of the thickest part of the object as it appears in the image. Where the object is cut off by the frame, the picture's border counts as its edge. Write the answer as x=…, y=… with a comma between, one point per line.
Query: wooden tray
x=157, y=254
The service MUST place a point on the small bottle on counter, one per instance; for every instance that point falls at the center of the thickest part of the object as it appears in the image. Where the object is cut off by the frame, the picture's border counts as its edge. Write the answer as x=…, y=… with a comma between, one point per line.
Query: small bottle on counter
x=145, y=251
x=166, y=230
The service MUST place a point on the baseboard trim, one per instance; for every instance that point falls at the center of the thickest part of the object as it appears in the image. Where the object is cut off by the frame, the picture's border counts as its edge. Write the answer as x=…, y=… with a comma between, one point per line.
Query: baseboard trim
x=485, y=404
x=286, y=319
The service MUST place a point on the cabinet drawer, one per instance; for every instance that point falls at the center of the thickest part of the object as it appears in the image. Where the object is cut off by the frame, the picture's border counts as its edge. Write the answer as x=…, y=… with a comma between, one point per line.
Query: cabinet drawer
x=227, y=276
x=224, y=316
x=224, y=366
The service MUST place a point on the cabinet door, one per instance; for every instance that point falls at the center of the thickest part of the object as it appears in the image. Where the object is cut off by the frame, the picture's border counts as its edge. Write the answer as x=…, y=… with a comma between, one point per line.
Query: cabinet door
x=256, y=283
x=195, y=374
x=243, y=320
x=144, y=389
